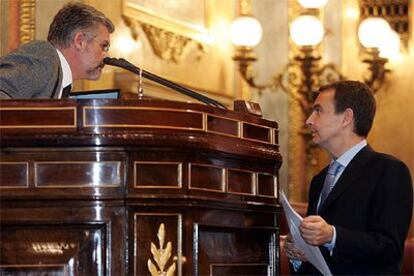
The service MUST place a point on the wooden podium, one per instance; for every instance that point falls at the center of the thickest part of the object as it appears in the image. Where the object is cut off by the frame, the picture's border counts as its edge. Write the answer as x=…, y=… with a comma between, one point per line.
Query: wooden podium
x=137, y=187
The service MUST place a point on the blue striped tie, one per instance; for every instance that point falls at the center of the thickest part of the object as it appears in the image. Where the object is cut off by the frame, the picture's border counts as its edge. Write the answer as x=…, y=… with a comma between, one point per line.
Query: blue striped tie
x=329, y=183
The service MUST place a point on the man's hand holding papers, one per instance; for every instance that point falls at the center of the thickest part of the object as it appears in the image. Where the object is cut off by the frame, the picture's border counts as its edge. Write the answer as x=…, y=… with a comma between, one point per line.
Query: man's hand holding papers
x=312, y=253
x=291, y=251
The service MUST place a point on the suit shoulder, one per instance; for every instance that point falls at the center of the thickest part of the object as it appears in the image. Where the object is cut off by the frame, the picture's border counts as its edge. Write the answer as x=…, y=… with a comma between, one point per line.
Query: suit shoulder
x=387, y=158
x=37, y=45
x=386, y=162
x=30, y=71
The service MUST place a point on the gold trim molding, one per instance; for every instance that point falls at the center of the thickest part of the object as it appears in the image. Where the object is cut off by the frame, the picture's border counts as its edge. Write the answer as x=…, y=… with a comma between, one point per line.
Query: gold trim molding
x=27, y=22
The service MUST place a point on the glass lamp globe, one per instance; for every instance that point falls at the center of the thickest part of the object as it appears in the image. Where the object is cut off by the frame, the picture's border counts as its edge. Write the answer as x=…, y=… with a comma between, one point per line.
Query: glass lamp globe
x=313, y=4
x=372, y=31
x=306, y=30
x=245, y=31
x=390, y=47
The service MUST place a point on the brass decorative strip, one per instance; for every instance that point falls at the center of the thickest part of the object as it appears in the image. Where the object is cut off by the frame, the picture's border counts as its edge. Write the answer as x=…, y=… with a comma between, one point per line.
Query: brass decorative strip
x=123, y=125
x=97, y=175
x=179, y=176
x=215, y=266
x=23, y=109
x=275, y=137
x=222, y=181
x=238, y=264
x=2, y=175
x=52, y=248
x=27, y=21
x=30, y=265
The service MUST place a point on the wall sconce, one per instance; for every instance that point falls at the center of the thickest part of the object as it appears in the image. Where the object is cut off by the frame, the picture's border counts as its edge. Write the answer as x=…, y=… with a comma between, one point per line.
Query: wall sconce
x=380, y=42
x=304, y=73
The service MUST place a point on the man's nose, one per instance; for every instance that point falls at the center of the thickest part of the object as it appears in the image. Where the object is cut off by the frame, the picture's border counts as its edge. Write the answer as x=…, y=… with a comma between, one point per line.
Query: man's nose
x=309, y=120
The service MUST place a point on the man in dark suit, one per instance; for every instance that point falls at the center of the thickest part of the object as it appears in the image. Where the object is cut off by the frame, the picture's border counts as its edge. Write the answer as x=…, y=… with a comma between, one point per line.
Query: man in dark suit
x=78, y=41
x=360, y=207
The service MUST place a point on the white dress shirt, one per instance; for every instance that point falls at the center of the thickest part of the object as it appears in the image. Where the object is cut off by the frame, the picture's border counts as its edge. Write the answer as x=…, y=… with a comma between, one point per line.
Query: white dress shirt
x=67, y=73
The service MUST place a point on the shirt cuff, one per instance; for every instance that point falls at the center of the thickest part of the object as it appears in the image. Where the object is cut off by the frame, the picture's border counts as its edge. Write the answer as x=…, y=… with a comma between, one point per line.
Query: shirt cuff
x=296, y=264
x=331, y=245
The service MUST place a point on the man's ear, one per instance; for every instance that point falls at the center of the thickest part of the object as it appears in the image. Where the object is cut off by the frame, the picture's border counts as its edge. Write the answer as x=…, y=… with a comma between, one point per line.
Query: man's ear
x=79, y=40
x=348, y=117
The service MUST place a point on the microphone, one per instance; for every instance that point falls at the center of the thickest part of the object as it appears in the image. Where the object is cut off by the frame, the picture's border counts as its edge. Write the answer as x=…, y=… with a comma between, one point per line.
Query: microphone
x=122, y=63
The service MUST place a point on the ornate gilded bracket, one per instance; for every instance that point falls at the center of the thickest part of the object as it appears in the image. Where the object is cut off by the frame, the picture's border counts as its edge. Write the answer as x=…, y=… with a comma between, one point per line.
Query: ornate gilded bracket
x=161, y=256
x=166, y=45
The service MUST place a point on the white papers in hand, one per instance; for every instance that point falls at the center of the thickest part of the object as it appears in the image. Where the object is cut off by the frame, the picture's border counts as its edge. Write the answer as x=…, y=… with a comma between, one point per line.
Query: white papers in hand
x=312, y=253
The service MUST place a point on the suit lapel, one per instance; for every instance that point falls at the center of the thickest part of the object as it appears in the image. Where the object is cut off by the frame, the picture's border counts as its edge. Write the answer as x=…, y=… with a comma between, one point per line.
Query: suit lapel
x=349, y=176
x=58, y=83
x=315, y=192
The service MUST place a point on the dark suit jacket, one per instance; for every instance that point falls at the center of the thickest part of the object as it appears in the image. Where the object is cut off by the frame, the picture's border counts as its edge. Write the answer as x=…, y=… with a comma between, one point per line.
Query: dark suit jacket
x=32, y=71
x=371, y=207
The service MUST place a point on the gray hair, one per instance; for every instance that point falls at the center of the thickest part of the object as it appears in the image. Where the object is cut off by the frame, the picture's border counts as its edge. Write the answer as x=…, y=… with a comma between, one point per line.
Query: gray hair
x=74, y=17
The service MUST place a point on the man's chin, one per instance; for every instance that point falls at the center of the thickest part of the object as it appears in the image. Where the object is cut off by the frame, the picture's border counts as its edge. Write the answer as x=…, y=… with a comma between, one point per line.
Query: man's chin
x=94, y=76
x=315, y=140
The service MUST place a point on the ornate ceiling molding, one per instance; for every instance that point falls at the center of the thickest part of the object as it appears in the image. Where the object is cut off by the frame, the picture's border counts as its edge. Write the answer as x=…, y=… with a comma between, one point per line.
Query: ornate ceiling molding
x=170, y=36
x=166, y=45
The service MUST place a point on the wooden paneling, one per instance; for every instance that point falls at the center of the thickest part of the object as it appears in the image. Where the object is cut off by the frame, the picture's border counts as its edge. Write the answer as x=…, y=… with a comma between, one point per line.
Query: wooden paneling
x=206, y=177
x=53, y=249
x=15, y=175
x=256, y=132
x=266, y=185
x=141, y=117
x=132, y=180
x=152, y=174
x=234, y=251
x=69, y=174
x=240, y=182
x=224, y=126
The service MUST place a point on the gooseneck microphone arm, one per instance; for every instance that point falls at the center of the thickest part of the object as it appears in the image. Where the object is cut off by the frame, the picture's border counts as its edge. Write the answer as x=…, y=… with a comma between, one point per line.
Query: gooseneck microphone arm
x=136, y=70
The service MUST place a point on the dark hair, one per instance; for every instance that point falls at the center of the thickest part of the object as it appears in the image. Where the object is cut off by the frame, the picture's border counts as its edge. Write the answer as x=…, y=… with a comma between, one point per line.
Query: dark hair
x=74, y=17
x=358, y=97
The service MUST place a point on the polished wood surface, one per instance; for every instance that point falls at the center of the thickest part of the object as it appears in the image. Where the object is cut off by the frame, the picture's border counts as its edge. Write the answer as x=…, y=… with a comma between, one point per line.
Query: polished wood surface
x=100, y=187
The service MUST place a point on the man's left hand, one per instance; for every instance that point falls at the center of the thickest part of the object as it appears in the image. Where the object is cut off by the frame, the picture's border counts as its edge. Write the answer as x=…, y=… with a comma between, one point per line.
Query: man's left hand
x=316, y=231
